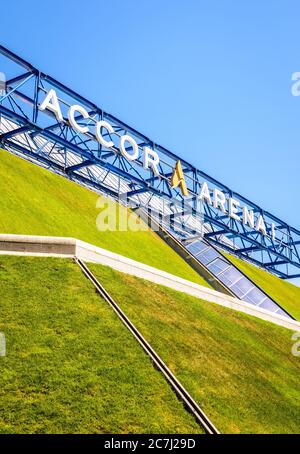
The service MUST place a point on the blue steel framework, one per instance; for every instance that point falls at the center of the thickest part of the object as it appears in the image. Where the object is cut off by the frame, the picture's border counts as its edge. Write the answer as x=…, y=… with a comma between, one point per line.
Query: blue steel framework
x=38, y=136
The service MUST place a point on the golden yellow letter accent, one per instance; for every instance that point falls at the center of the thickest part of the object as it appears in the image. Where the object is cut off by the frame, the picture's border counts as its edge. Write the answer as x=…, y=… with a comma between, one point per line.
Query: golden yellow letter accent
x=178, y=179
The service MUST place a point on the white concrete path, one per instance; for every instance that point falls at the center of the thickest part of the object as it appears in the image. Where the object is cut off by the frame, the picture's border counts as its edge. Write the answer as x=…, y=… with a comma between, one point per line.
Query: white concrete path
x=71, y=247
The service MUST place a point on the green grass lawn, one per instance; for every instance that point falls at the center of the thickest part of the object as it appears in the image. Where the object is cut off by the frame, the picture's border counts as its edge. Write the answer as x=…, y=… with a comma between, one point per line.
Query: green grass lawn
x=285, y=293
x=35, y=201
x=71, y=366
x=239, y=369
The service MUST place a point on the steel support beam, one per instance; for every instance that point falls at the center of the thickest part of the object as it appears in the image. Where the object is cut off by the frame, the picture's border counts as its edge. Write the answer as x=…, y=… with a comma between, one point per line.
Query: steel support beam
x=58, y=147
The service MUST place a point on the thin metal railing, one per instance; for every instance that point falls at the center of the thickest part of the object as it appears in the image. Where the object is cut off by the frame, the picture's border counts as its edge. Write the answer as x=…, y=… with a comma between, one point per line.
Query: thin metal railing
x=180, y=391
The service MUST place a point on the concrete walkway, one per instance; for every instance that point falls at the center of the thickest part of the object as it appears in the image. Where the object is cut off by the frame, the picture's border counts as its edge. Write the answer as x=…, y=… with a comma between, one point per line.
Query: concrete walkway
x=70, y=247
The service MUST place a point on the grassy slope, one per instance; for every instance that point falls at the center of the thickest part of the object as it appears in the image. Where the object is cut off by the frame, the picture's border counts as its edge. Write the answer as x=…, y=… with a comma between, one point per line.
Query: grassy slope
x=287, y=294
x=37, y=202
x=239, y=369
x=71, y=366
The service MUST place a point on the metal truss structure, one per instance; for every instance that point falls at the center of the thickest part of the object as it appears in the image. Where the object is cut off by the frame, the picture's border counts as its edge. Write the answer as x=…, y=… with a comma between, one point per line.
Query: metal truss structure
x=39, y=137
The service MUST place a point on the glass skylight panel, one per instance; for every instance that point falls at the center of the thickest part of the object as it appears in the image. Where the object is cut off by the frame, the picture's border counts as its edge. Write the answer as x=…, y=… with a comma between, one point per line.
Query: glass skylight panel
x=207, y=256
x=281, y=312
x=231, y=277
x=244, y=285
x=269, y=305
x=247, y=299
x=237, y=291
x=256, y=296
x=196, y=247
x=217, y=266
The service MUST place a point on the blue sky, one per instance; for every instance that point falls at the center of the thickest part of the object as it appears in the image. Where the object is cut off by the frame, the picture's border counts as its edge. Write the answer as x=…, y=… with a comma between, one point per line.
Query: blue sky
x=222, y=68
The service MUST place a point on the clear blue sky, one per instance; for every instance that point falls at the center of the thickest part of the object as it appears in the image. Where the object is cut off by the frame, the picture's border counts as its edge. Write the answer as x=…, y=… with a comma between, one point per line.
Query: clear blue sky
x=222, y=67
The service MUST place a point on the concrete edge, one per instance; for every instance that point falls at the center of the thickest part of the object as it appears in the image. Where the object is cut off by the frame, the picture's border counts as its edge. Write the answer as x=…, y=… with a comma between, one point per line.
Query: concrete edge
x=41, y=246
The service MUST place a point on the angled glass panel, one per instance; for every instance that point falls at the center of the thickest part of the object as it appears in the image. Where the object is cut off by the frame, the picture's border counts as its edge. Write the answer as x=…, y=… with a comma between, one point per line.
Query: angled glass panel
x=196, y=247
x=217, y=266
x=237, y=291
x=207, y=256
x=230, y=276
x=244, y=285
x=256, y=296
x=281, y=312
x=247, y=299
x=269, y=305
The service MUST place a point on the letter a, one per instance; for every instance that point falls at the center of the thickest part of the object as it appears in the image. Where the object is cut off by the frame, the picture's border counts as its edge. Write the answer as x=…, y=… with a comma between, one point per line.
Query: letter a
x=178, y=179
x=51, y=103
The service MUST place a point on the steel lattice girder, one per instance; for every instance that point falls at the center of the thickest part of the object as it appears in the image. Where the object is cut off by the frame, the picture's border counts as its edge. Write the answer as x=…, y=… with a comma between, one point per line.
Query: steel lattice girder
x=39, y=137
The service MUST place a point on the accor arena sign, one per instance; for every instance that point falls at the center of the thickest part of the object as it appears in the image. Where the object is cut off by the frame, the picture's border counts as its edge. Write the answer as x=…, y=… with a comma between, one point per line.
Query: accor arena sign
x=150, y=158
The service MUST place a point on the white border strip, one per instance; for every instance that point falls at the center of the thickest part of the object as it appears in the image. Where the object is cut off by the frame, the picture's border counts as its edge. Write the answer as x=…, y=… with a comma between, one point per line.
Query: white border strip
x=45, y=246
